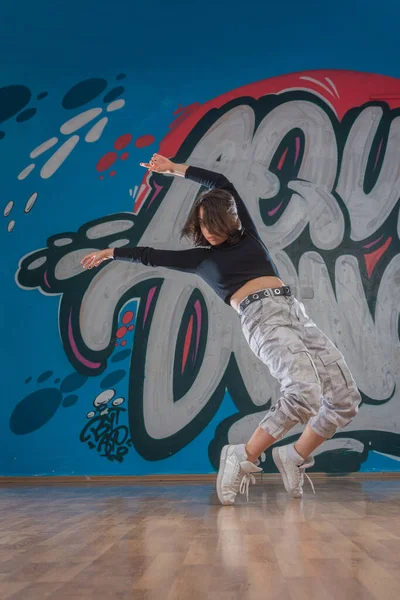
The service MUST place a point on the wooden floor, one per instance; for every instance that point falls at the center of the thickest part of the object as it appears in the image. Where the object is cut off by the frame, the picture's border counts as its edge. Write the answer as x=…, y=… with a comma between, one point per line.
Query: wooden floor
x=175, y=542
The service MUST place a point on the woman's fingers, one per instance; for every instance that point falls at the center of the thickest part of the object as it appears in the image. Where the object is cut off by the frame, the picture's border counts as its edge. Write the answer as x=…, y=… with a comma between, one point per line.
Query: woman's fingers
x=157, y=163
x=90, y=260
x=86, y=260
x=149, y=166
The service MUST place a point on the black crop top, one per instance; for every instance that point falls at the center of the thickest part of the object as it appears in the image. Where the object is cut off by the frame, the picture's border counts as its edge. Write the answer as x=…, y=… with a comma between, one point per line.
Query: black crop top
x=225, y=267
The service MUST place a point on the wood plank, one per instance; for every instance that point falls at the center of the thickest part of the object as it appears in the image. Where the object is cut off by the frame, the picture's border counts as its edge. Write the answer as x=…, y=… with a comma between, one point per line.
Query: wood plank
x=175, y=541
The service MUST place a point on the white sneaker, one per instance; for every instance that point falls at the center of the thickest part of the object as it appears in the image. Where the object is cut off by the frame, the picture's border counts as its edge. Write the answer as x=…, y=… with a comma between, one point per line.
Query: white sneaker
x=292, y=473
x=235, y=474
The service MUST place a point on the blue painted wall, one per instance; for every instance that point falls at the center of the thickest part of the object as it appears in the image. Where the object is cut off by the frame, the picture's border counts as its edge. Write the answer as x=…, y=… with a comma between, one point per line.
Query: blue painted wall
x=172, y=54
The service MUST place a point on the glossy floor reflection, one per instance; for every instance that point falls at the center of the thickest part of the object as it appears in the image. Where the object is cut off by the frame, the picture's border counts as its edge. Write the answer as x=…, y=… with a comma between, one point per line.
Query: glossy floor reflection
x=175, y=542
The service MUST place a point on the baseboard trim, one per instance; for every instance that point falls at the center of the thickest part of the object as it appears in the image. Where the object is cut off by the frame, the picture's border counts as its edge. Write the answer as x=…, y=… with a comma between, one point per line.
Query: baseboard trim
x=165, y=479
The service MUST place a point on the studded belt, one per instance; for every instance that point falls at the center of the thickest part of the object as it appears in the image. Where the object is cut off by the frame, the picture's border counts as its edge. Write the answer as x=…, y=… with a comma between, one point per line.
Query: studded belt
x=267, y=293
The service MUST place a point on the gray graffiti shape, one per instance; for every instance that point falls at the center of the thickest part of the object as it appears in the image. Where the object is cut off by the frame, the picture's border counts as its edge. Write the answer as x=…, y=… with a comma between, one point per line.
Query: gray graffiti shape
x=232, y=144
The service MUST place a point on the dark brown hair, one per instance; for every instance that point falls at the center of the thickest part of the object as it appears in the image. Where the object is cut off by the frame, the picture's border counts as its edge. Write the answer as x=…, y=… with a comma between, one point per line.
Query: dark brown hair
x=220, y=217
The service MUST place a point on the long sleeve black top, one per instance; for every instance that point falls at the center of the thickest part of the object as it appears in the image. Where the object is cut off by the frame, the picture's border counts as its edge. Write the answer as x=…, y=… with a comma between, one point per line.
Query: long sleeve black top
x=225, y=267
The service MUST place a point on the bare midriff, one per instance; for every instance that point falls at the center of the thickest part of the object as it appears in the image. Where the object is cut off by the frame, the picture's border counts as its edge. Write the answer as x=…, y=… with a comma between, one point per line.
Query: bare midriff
x=255, y=285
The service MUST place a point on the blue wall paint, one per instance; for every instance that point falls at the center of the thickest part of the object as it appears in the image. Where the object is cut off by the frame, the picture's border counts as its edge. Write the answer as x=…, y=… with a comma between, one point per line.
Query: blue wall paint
x=172, y=54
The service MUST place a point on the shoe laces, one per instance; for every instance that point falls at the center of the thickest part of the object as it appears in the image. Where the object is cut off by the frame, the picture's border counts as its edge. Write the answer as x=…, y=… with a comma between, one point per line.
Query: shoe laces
x=302, y=469
x=245, y=484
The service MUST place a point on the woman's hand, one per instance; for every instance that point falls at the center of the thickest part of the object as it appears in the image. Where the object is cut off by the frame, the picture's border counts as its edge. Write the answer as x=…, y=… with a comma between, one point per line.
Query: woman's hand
x=94, y=259
x=159, y=164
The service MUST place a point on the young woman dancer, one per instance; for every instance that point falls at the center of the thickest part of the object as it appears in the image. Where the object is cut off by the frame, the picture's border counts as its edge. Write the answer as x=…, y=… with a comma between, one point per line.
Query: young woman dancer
x=316, y=384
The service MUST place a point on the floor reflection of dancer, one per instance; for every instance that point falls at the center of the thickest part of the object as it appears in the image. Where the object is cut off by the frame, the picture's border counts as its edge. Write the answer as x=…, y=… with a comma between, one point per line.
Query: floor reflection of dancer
x=316, y=384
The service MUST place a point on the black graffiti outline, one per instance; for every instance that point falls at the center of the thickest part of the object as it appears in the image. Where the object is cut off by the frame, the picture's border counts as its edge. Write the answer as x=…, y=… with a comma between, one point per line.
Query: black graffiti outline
x=70, y=303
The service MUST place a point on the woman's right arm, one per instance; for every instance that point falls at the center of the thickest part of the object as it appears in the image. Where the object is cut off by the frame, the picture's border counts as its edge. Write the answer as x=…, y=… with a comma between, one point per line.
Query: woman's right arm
x=179, y=260
x=206, y=178
x=163, y=165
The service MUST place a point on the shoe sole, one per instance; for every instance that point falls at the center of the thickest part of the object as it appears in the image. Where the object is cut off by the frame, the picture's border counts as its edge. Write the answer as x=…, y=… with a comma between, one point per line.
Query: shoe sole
x=222, y=460
x=278, y=463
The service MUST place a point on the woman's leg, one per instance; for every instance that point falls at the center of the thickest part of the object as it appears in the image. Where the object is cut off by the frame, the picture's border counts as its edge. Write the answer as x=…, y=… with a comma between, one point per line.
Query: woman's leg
x=261, y=440
x=273, y=335
x=339, y=403
x=268, y=328
x=308, y=442
x=316, y=383
x=340, y=397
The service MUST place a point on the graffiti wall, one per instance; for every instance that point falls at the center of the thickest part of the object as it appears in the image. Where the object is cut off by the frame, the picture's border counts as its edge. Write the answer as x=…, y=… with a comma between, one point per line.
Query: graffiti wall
x=133, y=370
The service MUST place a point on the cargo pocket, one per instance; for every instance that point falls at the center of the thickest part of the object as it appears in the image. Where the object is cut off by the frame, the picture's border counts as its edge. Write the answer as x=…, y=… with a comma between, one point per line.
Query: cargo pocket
x=306, y=358
x=336, y=367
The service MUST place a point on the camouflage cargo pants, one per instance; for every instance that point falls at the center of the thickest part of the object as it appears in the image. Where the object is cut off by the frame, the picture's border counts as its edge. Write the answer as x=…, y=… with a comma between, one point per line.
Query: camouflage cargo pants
x=316, y=383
